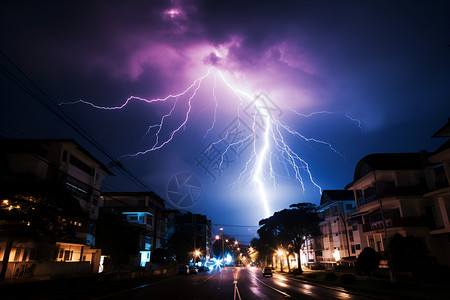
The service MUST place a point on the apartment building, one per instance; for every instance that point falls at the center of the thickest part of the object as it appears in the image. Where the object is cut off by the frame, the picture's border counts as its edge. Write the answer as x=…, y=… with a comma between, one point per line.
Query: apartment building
x=337, y=240
x=388, y=190
x=145, y=211
x=438, y=177
x=63, y=180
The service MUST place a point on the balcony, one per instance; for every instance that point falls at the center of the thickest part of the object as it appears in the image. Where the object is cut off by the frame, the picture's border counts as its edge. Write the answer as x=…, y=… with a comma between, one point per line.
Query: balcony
x=395, y=222
x=389, y=190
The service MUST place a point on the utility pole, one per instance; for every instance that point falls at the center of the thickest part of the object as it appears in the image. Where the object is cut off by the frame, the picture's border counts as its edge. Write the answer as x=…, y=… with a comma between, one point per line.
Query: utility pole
x=223, y=249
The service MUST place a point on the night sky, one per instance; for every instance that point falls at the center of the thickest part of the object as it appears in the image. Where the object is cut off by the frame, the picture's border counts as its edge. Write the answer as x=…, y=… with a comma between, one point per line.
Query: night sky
x=358, y=77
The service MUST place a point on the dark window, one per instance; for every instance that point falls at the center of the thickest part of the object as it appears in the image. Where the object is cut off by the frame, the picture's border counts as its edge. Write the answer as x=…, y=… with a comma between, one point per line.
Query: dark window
x=349, y=206
x=25, y=253
x=81, y=165
x=353, y=249
x=358, y=247
x=355, y=227
x=64, y=156
x=68, y=255
x=91, y=229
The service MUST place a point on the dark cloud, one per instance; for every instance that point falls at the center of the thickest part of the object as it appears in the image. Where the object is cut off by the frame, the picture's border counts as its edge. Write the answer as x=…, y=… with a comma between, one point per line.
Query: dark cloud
x=384, y=63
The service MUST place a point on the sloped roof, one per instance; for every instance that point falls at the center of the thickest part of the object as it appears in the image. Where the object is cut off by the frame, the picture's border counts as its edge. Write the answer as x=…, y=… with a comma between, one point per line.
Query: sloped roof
x=26, y=145
x=388, y=161
x=335, y=195
x=444, y=131
x=443, y=147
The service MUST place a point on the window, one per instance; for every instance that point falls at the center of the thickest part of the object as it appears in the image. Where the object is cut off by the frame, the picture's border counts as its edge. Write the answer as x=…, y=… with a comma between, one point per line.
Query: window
x=81, y=165
x=68, y=255
x=64, y=156
x=17, y=255
x=337, y=234
x=358, y=247
x=355, y=227
x=25, y=253
x=91, y=229
x=349, y=206
x=149, y=220
x=77, y=191
x=353, y=249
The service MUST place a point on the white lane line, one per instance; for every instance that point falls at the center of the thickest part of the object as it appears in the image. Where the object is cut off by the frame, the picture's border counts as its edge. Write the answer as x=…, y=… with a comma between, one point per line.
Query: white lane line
x=273, y=288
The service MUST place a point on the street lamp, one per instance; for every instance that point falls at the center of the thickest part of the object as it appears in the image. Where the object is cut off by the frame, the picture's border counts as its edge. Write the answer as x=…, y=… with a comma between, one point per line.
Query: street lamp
x=196, y=254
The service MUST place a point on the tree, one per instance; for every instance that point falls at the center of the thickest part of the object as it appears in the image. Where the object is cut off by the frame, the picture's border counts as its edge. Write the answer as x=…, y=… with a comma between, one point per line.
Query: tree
x=118, y=239
x=263, y=247
x=37, y=211
x=181, y=243
x=368, y=260
x=409, y=254
x=291, y=227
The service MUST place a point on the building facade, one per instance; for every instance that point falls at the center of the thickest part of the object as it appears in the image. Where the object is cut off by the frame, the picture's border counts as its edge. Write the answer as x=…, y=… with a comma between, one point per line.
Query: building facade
x=438, y=178
x=145, y=211
x=388, y=190
x=64, y=180
x=200, y=227
x=336, y=238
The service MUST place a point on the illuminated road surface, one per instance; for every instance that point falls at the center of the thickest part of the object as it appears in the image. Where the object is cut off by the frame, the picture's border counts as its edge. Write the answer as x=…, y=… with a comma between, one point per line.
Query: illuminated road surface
x=219, y=285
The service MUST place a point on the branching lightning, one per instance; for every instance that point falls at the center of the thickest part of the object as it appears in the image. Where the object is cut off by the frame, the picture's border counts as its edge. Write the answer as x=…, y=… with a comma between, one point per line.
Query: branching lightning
x=271, y=157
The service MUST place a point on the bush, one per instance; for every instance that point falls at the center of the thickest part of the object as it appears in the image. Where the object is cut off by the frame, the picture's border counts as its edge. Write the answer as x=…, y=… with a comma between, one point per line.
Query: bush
x=330, y=276
x=297, y=272
x=311, y=276
x=348, y=278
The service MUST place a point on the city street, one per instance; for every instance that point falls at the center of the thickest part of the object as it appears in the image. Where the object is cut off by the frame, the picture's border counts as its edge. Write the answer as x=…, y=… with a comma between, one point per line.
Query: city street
x=219, y=285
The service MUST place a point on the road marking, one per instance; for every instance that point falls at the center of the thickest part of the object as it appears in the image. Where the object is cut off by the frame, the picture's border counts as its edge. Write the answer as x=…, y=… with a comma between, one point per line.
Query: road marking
x=273, y=288
x=195, y=285
x=132, y=289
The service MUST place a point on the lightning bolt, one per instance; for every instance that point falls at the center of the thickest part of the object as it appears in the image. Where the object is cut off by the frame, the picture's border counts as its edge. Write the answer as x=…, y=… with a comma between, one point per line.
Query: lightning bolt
x=270, y=159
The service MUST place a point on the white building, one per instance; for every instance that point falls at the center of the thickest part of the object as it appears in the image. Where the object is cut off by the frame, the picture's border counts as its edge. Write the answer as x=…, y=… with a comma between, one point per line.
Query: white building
x=388, y=190
x=334, y=209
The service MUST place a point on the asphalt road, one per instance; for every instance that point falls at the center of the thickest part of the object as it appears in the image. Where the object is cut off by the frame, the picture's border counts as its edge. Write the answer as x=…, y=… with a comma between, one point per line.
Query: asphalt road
x=230, y=284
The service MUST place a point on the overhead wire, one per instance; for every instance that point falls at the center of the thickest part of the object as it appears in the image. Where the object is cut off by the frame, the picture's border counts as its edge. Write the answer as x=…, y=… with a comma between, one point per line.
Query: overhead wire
x=63, y=116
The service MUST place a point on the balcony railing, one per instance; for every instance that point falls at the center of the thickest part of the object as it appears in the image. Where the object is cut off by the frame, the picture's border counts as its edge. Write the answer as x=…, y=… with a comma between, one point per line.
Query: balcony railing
x=395, y=222
x=386, y=190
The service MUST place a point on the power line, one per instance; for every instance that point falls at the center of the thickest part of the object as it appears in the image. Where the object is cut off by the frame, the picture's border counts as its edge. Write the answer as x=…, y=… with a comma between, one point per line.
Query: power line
x=229, y=225
x=58, y=112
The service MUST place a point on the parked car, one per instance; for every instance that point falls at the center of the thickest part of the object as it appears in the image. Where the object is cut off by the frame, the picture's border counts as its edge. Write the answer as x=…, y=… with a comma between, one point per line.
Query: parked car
x=204, y=269
x=182, y=269
x=267, y=271
x=193, y=270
